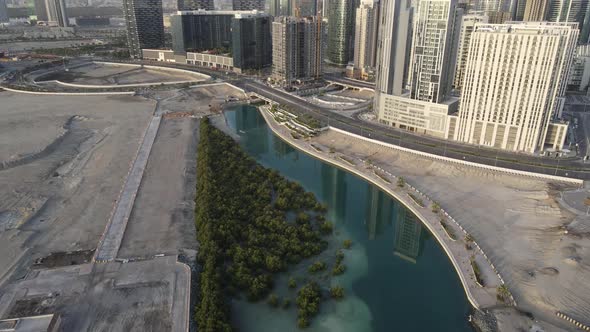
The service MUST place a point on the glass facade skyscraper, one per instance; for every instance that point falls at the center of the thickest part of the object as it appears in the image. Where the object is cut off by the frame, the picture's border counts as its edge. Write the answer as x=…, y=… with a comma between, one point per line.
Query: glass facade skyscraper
x=341, y=17
x=3, y=11
x=248, y=5
x=145, y=25
x=251, y=41
x=202, y=30
x=572, y=11
x=195, y=4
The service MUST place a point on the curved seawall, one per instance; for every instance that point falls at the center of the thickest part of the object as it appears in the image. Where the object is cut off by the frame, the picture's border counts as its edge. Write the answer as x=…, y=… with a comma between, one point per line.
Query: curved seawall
x=454, y=250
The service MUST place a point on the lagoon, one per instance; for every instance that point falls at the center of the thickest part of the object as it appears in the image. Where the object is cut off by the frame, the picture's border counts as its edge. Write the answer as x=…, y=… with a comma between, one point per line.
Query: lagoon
x=398, y=278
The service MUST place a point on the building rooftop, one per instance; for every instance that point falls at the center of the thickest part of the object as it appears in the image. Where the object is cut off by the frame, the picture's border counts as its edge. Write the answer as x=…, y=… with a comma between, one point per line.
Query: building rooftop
x=43, y=323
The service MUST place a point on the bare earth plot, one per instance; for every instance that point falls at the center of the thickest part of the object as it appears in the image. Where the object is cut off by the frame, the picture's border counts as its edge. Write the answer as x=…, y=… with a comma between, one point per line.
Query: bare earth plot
x=59, y=185
x=62, y=184
x=519, y=222
x=64, y=160
x=162, y=220
x=112, y=74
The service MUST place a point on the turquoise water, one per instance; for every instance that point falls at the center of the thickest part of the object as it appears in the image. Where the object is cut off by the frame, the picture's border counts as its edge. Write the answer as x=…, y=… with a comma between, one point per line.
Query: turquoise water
x=397, y=278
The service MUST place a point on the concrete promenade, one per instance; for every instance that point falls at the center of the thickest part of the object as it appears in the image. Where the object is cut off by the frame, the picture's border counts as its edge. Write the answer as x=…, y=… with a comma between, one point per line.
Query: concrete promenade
x=111, y=240
x=479, y=297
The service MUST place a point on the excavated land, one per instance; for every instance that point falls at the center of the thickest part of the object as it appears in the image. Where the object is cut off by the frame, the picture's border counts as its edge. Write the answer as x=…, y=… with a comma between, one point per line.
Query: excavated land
x=64, y=159
x=63, y=164
x=95, y=73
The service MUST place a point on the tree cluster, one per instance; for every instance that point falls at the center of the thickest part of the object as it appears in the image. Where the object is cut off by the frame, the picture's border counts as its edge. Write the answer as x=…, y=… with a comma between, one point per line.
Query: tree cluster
x=244, y=234
x=308, y=303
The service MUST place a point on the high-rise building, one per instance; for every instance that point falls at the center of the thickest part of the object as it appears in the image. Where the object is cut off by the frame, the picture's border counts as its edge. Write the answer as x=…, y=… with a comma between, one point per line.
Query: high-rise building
x=52, y=11
x=56, y=12
x=41, y=10
x=432, y=50
x=365, y=38
x=304, y=8
x=579, y=78
x=3, y=11
x=536, y=10
x=297, y=49
x=248, y=5
x=202, y=31
x=467, y=26
x=498, y=11
x=518, y=12
x=340, y=31
x=281, y=8
x=571, y=11
x=514, y=77
x=145, y=25
x=244, y=34
x=251, y=41
x=298, y=8
x=195, y=5
x=392, y=47
x=425, y=108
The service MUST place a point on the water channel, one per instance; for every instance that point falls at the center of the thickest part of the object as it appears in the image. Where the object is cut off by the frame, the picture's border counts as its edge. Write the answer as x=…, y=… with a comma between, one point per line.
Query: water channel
x=397, y=278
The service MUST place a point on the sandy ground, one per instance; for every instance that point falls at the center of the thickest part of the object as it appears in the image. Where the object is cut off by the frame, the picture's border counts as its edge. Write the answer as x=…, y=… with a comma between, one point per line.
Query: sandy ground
x=137, y=296
x=361, y=94
x=199, y=100
x=59, y=188
x=165, y=202
x=48, y=128
x=107, y=74
x=517, y=221
x=30, y=45
x=61, y=200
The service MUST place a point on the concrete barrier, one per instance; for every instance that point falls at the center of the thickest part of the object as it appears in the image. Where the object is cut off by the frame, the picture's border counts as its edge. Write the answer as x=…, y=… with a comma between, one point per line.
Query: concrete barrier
x=114, y=86
x=578, y=324
x=204, y=76
x=47, y=93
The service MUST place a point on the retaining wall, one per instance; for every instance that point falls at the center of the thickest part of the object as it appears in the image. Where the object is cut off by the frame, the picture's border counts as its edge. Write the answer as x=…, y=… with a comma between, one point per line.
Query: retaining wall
x=399, y=198
x=462, y=162
x=69, y=93
x=204, y=76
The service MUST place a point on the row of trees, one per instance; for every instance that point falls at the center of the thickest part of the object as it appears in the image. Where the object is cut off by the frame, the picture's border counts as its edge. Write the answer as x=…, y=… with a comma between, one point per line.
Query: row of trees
x=244, y=236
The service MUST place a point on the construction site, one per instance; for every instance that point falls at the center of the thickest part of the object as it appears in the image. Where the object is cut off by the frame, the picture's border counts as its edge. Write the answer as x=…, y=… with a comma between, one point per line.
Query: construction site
x=97, y=207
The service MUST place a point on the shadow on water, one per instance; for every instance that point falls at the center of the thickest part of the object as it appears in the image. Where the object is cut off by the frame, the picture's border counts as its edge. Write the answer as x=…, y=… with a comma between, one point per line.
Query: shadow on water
x=397, y=277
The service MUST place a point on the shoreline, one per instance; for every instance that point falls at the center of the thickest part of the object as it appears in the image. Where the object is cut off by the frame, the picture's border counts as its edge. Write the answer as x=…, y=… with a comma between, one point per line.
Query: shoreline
x=477, y=296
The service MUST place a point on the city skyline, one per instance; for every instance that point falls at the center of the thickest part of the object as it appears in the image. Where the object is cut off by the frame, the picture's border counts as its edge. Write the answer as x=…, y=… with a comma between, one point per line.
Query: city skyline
x=176, y=165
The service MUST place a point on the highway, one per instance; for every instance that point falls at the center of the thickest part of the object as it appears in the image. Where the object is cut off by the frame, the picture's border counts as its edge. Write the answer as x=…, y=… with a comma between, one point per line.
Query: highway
x=343, y=80
x=567, y=167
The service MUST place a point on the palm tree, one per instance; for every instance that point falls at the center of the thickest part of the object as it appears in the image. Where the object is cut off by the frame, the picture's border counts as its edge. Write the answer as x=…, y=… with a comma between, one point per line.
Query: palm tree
x=503, y=293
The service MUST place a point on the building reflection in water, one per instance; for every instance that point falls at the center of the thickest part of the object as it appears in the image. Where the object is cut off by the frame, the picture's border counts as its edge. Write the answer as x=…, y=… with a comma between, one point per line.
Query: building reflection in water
x=282, y=149
x=378, y=211
x=334, y=191
x=408, y=236
x=248, y=121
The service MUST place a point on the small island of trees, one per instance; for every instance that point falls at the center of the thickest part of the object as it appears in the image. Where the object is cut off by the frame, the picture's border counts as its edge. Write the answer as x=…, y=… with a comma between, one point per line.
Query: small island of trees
x=245, y=237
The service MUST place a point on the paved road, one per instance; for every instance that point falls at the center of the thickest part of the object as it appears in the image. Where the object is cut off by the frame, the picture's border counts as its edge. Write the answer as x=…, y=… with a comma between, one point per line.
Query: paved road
x=111, y=241
x=573, y=168
x=339, y=79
